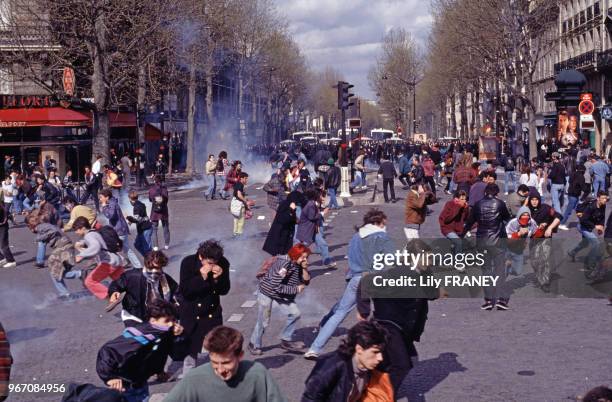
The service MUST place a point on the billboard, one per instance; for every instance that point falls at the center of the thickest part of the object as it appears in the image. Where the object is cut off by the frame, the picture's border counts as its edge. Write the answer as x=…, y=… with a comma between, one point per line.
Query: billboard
x=487, y=148
x=567, y=126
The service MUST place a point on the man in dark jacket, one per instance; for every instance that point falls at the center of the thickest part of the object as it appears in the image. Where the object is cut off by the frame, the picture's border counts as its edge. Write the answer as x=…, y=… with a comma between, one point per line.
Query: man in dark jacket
x=332, y=182
x=404, y=169
x=280, y=236
x=477, y=191
x=6, y=361
x=344, y=375
x=141, y=288
x=126, y=362
x=592, y=218
x=158, y=195
x=112, y=211
x=557, y=180
x=204, y=279
x=577, y=188
x=144, y=228
x=388, y=173
x=49, y=192
x=491, y=215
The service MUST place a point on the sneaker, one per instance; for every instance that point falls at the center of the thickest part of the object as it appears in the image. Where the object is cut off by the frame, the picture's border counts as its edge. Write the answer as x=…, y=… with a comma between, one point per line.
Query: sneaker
x=332, y=265
x=253, y=350
x=293, y=346
x=3, y=261
x=502, y=305
x=311, y=355
x=11, y=264
x=487, y=306
x=506, y=193
x=571, y=256
x=563, y=227
x=111, y=305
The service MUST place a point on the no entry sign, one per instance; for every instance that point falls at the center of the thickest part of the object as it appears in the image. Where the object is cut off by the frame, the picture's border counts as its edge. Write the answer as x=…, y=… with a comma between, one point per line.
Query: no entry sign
x=586, y=107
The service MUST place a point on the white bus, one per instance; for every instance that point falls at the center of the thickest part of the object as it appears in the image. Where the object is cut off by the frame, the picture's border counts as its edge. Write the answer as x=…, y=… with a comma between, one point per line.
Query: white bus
x=381, y=134
x=298, y=135
x=321, y=135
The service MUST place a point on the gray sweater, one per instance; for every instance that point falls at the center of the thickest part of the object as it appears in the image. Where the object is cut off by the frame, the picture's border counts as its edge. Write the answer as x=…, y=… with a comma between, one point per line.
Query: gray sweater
x=96, y=247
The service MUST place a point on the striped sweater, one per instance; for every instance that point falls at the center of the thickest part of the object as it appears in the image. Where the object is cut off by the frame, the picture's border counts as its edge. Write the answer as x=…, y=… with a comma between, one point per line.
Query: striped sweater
x=282, y=280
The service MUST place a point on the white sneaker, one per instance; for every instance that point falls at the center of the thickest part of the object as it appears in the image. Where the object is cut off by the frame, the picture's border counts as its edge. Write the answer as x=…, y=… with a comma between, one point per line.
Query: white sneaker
x=563, y=227
x=311, y=355
x=3, y=261
x=10, y=265
x=506, y=193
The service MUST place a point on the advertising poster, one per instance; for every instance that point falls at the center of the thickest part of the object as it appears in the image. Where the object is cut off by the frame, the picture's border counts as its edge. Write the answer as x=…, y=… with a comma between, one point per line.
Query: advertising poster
x=567, y=127
x=487, y=148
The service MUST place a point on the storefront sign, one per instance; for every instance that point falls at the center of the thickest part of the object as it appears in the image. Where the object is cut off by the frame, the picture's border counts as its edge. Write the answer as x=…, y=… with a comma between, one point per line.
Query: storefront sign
x=26, y=101
x=10, y=124
x=606, y=112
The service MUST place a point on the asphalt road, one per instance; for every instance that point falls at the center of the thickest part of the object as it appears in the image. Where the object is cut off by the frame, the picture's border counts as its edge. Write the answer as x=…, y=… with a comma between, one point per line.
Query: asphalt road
x=543, y=349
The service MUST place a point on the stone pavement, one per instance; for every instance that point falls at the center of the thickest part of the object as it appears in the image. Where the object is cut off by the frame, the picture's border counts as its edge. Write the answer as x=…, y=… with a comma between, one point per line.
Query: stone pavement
x=544, y=349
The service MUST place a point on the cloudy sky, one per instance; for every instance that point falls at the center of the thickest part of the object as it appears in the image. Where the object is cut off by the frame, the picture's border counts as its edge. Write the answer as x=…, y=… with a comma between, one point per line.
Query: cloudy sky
x=347, y=34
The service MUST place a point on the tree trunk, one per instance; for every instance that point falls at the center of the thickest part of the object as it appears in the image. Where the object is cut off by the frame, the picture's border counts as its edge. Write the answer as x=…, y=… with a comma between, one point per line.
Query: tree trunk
x=463, y=114
x=209, y=99
x=443, y=128
x=453, y=115
x=191, y=119
x=240, y=94
x=101, y=129
x=141, y=97
x=101, y=137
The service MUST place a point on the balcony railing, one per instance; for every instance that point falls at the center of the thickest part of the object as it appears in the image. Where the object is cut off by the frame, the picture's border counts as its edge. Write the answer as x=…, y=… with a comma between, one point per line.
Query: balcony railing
x=583, y=61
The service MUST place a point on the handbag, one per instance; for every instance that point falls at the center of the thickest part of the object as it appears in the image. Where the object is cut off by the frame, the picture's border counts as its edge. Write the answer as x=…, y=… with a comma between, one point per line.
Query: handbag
x=236, y=207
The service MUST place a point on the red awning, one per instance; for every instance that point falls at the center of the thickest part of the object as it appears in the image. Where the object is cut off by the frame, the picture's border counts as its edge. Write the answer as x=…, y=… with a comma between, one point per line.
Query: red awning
x=122, y=119
x=44, y=117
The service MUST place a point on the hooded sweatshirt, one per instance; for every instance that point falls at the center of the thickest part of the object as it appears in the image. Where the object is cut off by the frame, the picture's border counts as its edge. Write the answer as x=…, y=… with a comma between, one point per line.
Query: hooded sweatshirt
x=370, y=240
x=544, y=213
x=514, y=226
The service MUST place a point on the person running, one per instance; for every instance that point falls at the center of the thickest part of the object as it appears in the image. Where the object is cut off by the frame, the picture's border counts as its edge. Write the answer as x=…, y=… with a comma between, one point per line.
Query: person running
x=76, y=211
x=280, y=236
x=332, y=182
x=160, y=214
x=6, y=256
x=280, y=284
x=371, y=239
x=92, y=184
x=452, y=219
x=227, y=377
x=576, y=190
x=144, y=228
x=62, y=258
x=126, y=362
x=108, y=262
x=547, y=220
x=142, y=288
x=415, y=211
x=592, y=217
x=112, y=212
x=518, y=230
x=350, y=373
x=204, y=278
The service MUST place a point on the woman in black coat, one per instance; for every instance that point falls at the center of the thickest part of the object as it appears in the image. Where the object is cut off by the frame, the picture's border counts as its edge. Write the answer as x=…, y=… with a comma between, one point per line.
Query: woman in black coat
x=204, y=278
x=280, y=236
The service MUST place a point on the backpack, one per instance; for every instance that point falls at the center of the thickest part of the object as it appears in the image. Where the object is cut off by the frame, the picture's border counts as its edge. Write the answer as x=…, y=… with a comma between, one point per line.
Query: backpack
x=113, y=243
x=267, y=264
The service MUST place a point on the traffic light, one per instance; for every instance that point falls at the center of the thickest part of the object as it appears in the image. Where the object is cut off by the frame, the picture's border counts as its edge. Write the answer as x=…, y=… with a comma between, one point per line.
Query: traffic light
x=344, y=96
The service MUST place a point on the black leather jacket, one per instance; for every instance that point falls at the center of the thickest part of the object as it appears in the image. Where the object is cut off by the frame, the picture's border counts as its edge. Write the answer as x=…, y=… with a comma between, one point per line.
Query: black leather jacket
x=491, y=214
x=331, y=379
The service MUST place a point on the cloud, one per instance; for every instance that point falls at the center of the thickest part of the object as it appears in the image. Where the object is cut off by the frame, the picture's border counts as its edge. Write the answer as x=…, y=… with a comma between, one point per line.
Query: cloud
x=348, y=35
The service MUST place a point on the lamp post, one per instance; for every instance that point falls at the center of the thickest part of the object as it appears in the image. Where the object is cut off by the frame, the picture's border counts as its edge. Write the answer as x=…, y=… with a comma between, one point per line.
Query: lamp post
x=411, y=85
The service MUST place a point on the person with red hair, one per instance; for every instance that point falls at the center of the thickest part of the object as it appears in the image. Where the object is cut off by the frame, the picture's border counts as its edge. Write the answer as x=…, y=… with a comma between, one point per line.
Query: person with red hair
x=281, y=283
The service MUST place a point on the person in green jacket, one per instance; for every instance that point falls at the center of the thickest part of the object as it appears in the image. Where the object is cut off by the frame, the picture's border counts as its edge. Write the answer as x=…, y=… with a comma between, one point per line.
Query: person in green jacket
x=227, y=377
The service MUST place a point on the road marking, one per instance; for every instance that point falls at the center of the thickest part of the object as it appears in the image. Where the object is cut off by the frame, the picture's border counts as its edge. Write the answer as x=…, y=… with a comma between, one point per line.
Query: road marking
x=258, y=188
x=235, y=318
x=232, y=270
x=261, y=218
x=327, y=273
x=354, y=212
x=249, y=303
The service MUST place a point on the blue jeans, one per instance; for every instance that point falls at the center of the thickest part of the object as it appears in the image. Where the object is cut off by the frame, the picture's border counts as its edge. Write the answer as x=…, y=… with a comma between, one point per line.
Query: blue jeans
x=143, y=242
x=221, y=185
x=517, y=262
x=264, y=311
x=40, y=252
x=129, y=253
x=337, y=314
x=28, y=204
x=61, y=285
x=598, y=184
x=210, y=191
x=510, y=177
x=333, y=202
x=588, y=239
x=571, y=205
x=18, y=203
x=359, y=179
x=137, y=394
x=556, y=191
x=456, y=241
x=322, y=247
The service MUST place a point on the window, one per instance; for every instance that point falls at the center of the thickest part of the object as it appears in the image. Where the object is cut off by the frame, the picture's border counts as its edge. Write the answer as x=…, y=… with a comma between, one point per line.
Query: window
x=582, y=17
x=6, y=84
x=596, y=9
x=589, y=13
x=576, y=21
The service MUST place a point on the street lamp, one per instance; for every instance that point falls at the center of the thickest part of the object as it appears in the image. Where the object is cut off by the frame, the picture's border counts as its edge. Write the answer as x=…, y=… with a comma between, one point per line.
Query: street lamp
x=411, y=86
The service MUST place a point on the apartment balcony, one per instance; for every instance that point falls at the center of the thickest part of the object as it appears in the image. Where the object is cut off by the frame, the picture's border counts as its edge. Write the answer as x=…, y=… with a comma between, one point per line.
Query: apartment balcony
x=604, y=59
x=584, y=61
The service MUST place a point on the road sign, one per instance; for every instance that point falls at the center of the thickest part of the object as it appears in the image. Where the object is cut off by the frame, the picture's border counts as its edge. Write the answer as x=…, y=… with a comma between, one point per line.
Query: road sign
x=606, y=112
x=586, y=107
x=586, y=96
x=68, y=81
x=354, y=123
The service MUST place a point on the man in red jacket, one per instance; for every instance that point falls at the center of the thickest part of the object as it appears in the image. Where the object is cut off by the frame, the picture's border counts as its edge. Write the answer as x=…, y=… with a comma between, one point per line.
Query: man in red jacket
x=452, y=219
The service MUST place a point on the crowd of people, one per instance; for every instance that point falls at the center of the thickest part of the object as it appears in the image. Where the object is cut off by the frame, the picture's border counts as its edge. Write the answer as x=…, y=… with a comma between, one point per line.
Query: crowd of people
x=165, y=318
